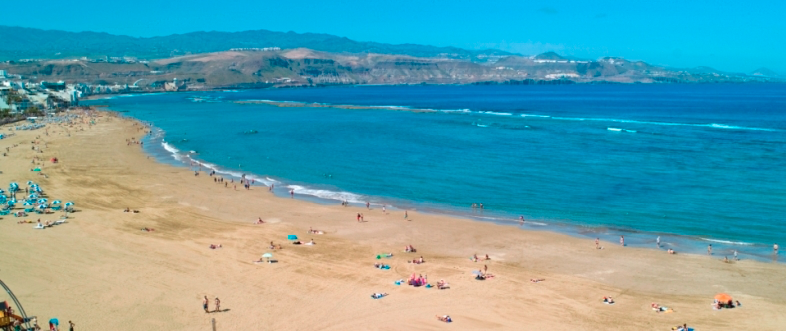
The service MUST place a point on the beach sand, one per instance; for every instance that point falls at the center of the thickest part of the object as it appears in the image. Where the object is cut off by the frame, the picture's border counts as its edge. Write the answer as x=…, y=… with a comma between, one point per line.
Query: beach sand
x=102, y=272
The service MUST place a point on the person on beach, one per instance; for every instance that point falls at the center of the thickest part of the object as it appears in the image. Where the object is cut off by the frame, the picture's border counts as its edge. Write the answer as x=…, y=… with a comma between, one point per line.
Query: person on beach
x=481, y=206
x=71, y=326
x=657, y=241
x=521, y=220
x=358, y=217
x=218, y=305
x=735, y=256
x=383, y=209
x=709, y=249
x=368, y=205
x=205, y=303
x=775, y=248
x=597, y=243
x=362, y=217
x=622, y=240
x=292, y=193
x=474, y=205
x=406, y=215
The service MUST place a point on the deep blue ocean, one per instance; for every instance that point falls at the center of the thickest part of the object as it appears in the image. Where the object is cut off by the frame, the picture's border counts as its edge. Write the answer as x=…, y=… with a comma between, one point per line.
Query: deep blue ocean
x=695, y=164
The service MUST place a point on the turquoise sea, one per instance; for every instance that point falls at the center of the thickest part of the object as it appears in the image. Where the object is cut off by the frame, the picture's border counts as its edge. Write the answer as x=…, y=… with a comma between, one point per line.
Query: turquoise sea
x=694, y=164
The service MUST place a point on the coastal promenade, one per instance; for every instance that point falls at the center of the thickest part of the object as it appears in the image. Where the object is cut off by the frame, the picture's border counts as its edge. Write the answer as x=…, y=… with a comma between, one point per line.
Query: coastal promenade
x=104, y=272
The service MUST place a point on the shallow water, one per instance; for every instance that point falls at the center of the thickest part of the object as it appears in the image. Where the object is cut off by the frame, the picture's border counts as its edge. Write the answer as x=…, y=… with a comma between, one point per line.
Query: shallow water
x=696, y=164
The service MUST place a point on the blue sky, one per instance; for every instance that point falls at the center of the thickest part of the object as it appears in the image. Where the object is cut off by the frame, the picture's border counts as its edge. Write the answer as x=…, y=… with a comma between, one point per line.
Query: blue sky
x=728, y=35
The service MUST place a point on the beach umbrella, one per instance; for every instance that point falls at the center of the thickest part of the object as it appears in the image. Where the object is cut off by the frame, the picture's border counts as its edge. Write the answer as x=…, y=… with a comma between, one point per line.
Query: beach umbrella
x=69, y=204
x=292, y=237
x=477, y=272
x=268, y=256
x=56, y=202
x=43, y=200
x=723, y=297
x=30, y=183
x=41, y=206
x=28, y=203
x=54, y=321
x=37, y=169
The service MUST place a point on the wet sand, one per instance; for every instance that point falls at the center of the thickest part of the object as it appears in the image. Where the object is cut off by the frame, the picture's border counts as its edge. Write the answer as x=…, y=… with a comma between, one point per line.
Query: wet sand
x=104, y=273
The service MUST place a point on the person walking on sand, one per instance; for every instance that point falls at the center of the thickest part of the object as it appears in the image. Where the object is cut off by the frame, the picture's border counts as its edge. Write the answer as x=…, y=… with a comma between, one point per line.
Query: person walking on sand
x=368, y=205
x=406, y=215
x=657, y=241
x=358, y=217
x=622, y=240
x=597, y=243
x=218, y=305
x=205, y=303
x=383, y=209
x=71, y=326
x=709, y=249
x=735, y=256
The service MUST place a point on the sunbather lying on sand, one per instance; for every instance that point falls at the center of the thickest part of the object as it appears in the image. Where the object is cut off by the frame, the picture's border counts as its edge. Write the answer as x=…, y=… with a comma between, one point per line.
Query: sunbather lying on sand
x=445, y=318
x=259, y=221
x=442, y=284
x=487, y=258
x=608, y=300
x=417, y=261
x=212, y=246
x=671, y=251
x=537, y=280
x=24, y=222
x=310, y=230
x=146, y=229
x=379, y=295
x=310, y=242
x=127, y=210
x=297, y=242
x=409, y=249
x=683, y=327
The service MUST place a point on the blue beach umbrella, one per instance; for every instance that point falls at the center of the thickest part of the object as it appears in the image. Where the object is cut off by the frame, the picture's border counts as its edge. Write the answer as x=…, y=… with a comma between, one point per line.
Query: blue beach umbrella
x=28, y=203
x=41, y=206
x=292, y=237
x=69, y=204
x=56, y=202
x=44, y=200
x=30, y=183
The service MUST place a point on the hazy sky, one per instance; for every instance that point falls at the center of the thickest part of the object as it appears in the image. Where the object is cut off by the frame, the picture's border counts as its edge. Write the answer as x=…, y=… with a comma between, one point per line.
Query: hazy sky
x=728, y=35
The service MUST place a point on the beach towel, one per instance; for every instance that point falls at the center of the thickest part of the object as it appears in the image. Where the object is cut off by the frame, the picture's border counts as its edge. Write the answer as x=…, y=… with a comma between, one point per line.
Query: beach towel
x=39, y=226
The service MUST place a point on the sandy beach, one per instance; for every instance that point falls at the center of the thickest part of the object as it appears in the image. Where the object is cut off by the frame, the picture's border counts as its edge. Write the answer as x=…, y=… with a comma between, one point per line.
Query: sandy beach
x=103, y=272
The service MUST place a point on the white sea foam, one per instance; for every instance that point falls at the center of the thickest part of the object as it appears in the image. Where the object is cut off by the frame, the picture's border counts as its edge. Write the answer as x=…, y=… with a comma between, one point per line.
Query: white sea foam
x=532, y=115
x=171, y=149
x=728, y=242
x=495, y=113
x=327, y=194
x=614, y=129
x=711, y=125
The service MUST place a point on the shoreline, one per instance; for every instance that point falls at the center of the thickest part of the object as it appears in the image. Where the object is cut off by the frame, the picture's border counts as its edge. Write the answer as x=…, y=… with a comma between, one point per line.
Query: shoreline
x=102, y=272
x=690, y=244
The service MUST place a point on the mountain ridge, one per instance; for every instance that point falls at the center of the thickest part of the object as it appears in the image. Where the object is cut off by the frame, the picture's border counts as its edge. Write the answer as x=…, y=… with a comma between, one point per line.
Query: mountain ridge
x=22, y=42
